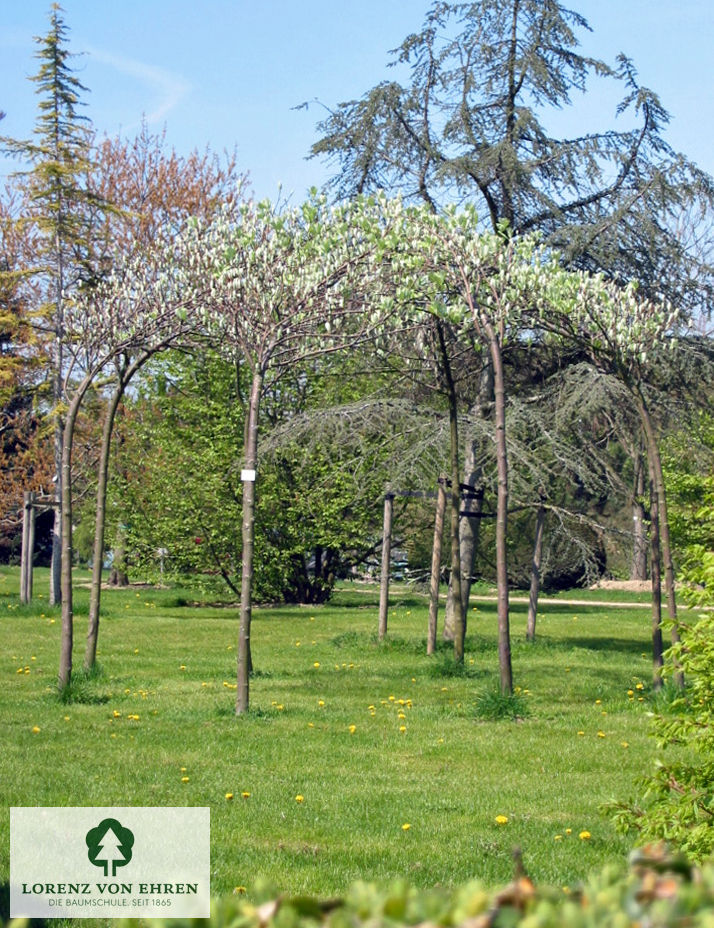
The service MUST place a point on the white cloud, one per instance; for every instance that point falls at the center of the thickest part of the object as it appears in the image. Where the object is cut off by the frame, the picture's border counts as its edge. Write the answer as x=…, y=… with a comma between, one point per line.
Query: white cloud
x=169, y=88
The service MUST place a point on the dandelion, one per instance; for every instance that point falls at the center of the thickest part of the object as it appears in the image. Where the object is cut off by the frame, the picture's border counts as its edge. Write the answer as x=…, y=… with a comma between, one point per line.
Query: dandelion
x=558, y=838
x=353, y=729
x=584, y=835
x=639, y=686
x=625, y=744
x=316, y=664
x=299, y=798
x=182, y=667
x=321, y=702
x=501, y=819
x=35, y=729
x=310, y=724
x=245, y=794
x=581, y=732
x=568, y=831
x=406, y=826
x=184, y=779
x=239, y=890
x=630, y=693
x=229, y=797
x=402, y=728
x=601, y=734
x=598, y=702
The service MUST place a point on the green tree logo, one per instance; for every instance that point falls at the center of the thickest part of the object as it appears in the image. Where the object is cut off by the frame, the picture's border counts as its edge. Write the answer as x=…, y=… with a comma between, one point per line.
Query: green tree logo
x=109, y=845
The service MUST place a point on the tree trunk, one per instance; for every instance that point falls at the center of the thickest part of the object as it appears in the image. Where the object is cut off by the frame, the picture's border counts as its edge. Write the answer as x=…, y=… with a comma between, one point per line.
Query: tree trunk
x=504, y=634
x=470, y=523
x=65, y=667
x=55, y=595
x=26, y=553
x=656, y=574
x=90, y=653
x=638, y=568
x=248, y=534
x=660, y=491
x=535, y=574
x=386, y=564
x=436, y=566
x=455, y=497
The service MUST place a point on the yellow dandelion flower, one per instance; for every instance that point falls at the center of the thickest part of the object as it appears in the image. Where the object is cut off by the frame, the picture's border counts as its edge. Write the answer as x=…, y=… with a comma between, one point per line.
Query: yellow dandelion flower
x=310, y=724
x=184, y=779
x=239, y=890
x=316, y=664
x=245, y=794
x=299, y=798
x=598, y=702
x=402, y=728
x=568, y=831
x=630, y=692
x=501, y=819
x=229, y=796
x=321, y=702
x=353, y=729
x=35, y=729
x=182, y=667
x=406, y=826
x=581, y=732
x=639, y=686
x=625, y=744
x=601, y=734
x=584, y=835
x=558, y=838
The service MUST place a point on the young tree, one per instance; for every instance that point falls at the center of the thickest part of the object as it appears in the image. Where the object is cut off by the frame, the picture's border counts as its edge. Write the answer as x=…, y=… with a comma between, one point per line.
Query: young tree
x=282, y=287
x=56, y=187
x=154, y=192
x=624, y=334
x=139, y=309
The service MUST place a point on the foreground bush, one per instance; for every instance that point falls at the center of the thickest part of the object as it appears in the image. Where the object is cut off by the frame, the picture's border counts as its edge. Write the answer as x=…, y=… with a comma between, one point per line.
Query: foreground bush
x=659, y=890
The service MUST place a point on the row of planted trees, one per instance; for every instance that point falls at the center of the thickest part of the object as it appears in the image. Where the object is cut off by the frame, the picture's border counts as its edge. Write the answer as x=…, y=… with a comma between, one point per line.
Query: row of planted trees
x=270, y=288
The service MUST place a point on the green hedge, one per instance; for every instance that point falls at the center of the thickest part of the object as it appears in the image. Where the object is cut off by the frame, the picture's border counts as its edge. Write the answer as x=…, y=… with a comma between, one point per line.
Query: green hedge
x=659, y=889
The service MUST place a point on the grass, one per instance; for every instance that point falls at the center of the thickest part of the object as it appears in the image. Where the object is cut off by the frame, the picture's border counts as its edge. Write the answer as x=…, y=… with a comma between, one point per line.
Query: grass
x=373, y=735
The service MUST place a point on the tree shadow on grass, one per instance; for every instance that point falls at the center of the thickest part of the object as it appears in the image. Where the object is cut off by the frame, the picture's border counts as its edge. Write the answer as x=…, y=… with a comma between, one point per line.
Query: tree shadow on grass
x=615, y=645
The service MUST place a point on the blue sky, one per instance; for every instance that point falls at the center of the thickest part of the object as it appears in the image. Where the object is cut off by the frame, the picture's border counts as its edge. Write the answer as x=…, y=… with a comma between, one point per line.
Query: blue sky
x=227, y=73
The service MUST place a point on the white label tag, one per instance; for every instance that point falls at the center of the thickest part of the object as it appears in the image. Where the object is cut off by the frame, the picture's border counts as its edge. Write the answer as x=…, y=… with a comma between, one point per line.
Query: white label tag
x=247, y=476
x=126, y=862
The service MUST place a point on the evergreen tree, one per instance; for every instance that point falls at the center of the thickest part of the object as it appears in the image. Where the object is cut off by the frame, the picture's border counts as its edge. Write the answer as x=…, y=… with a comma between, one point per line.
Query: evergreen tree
x=472, y=123
x=55, y=183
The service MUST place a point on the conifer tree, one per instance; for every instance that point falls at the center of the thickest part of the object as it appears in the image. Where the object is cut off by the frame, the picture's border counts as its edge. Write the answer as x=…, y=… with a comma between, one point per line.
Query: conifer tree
x=55, y=182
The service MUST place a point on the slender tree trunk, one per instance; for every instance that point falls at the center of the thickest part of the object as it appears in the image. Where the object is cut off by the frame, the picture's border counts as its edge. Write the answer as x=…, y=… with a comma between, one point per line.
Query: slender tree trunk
x=638, y=569
x=455, y=498
x=504, y=634
x=472, y=505
x=436, y=566
x=26, y=551
x=248, y=533
x=386, y=564
x=55, y=595
x=535, y=574
x=656, y=574
x=65, y=667
x=90, y=653
x=666, y=546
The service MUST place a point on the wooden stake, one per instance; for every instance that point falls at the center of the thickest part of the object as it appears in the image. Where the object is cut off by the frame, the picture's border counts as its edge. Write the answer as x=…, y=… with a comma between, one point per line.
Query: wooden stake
x=386, y=564
x=436, y=567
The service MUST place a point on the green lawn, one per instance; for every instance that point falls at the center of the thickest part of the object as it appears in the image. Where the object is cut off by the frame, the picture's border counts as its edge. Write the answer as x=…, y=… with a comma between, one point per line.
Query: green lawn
x=157, y=728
